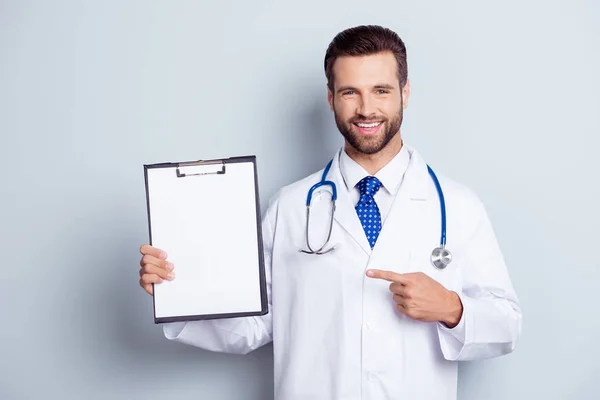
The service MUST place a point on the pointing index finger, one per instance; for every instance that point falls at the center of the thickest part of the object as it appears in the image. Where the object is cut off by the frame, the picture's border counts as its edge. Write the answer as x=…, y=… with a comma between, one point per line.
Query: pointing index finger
x=385, y=275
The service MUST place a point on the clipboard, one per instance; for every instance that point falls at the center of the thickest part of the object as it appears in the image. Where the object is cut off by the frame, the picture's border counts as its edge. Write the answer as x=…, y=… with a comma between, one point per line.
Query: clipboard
x=206, y=216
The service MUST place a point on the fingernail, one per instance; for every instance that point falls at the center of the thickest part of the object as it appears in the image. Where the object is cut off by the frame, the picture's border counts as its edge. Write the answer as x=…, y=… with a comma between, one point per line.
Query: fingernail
x=163, y=255
x=369, y=273
x=171, y=276
x=170, y=266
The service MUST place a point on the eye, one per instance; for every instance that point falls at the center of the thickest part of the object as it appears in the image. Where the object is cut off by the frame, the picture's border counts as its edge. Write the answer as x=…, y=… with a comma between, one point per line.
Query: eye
x=348, y=92
x=383, y=91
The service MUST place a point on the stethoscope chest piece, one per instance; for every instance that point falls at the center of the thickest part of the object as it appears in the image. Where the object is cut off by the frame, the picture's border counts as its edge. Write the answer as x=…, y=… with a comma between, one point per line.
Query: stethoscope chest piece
x=440, y=257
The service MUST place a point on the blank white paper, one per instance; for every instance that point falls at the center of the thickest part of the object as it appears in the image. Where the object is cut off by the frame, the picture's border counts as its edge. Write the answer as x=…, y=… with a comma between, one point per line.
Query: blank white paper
x=207, y=225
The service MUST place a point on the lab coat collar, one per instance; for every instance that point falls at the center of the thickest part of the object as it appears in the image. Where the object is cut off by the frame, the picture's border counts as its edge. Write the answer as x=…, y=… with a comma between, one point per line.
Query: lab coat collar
x=415, y=185
x=416, y=179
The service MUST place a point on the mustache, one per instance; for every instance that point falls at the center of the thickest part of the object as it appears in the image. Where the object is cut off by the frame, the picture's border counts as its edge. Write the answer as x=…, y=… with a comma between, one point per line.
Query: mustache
x=365, y=120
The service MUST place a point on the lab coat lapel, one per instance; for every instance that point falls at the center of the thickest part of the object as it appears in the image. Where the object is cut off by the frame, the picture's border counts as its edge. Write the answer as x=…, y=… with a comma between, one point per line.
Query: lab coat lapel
x=345, y=213
x=399, y=230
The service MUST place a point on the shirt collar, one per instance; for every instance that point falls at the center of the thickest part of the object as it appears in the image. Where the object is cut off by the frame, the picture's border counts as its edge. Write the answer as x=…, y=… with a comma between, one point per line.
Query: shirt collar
x=390, y=175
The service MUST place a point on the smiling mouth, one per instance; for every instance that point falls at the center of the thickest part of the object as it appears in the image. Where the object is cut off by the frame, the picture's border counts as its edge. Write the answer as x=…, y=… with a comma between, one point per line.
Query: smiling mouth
x=370, y=125
x=369, y=128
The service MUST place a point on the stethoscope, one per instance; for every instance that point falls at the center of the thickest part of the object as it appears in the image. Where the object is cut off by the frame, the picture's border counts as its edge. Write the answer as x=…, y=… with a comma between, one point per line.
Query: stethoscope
x=440, y=256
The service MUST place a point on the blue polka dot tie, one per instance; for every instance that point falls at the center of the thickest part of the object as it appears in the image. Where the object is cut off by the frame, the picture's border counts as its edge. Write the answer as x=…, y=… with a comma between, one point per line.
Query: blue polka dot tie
x=367, y=209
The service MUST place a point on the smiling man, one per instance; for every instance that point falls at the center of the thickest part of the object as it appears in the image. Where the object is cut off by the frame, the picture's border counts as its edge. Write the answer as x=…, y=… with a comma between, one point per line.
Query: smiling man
x=359, y=309
x=368, y=101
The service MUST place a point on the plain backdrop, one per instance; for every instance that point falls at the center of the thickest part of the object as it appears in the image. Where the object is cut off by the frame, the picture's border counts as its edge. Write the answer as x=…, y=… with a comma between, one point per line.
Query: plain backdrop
x=505, y=99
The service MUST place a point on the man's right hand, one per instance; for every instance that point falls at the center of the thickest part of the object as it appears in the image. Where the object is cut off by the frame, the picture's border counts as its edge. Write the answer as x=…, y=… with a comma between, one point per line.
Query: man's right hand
x=154, y=267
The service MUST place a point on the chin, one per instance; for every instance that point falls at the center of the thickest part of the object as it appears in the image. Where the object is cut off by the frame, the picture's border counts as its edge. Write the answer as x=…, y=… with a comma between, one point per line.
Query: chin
x=368, y=146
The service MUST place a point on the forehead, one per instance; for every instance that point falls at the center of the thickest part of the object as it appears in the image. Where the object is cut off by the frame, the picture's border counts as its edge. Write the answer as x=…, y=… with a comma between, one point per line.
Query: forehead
x=366, y=70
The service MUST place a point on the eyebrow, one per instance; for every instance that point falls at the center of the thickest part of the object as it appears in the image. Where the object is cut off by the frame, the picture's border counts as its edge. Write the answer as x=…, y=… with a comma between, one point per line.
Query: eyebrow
x=378, y=86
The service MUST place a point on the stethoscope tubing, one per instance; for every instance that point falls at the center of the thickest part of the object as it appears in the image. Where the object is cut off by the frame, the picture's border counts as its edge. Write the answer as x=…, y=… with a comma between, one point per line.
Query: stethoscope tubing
x=440, y=257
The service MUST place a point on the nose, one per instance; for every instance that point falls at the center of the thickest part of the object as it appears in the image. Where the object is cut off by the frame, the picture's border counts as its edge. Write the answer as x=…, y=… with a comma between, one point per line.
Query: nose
x=366, y=108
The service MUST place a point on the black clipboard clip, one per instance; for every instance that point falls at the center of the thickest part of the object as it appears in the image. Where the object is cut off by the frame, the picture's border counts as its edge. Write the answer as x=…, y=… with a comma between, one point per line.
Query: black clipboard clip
x=200, y=163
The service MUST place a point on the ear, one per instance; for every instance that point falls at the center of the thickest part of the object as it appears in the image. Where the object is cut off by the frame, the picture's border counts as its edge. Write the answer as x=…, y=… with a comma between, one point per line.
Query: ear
x=405, y=94
x=329, y=97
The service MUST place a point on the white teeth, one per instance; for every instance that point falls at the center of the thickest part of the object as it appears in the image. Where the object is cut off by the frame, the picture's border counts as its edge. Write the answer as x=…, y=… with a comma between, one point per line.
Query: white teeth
x=373, y=125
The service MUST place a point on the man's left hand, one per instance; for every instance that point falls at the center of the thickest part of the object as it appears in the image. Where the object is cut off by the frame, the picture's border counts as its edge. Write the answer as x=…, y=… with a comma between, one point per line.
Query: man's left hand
x=422, y=298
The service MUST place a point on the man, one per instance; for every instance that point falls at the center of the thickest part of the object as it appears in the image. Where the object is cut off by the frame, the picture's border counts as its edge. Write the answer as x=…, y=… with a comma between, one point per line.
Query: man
x=373, y=318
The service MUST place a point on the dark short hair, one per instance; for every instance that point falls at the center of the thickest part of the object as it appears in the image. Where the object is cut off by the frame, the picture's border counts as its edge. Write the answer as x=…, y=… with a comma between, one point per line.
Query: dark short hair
x=366, y=40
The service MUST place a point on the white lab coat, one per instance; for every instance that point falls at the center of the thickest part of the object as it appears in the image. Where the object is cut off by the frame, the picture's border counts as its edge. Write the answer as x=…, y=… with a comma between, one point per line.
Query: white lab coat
x=336, y=332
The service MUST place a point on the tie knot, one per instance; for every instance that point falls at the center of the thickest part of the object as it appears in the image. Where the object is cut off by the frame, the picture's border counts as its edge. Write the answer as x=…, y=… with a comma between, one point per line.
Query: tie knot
x=369, y=185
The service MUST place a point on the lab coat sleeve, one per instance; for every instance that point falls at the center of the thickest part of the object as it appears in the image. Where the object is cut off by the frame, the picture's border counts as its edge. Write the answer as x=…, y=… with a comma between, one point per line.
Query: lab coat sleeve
x=240, y=335
x=490, y=325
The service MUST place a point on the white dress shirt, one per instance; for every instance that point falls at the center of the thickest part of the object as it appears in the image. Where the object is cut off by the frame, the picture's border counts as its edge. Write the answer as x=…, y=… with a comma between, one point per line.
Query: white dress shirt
x=390, y=176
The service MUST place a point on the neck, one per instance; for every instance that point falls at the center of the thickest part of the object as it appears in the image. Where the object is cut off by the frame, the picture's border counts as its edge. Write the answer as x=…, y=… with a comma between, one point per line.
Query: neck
x=372, y=163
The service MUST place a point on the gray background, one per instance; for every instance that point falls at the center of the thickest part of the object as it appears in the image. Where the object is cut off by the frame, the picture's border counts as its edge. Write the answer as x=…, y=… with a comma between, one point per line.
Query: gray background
x=505, y=98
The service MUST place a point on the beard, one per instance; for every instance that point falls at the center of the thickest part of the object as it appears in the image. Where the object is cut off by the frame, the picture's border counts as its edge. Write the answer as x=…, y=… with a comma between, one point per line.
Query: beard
x=369, y=144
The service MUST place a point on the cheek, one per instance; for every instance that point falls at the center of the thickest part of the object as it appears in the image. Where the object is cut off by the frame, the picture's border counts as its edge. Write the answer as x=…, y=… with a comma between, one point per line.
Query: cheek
x=389, y=115
x=390, y=104
x=344, y=109
x=391, y=107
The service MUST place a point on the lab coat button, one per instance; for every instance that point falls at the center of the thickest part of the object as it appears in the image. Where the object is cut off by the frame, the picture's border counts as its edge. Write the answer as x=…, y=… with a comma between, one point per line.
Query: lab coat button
x=368, y=325
x=372, y=377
